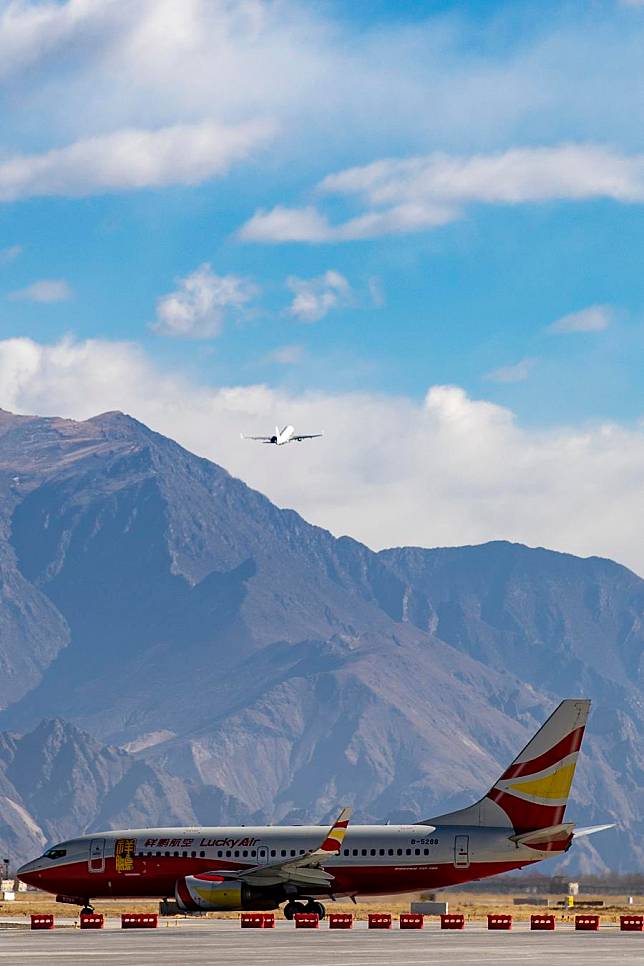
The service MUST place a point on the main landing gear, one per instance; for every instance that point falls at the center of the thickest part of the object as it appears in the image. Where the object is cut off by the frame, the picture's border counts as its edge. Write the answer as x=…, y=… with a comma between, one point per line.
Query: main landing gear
x=311, y=905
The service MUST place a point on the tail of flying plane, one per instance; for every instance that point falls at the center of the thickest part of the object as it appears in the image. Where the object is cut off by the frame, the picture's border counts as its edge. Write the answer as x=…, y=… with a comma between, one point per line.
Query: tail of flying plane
x=532, y=793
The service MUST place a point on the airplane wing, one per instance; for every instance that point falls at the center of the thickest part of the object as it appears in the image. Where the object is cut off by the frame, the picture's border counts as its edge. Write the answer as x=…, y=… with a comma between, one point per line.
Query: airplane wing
x=261, y=439
x=300, y=436
x=306, y=869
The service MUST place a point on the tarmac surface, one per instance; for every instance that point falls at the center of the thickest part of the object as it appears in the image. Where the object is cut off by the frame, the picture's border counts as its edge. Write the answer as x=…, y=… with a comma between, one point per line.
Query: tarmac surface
x=188, y=942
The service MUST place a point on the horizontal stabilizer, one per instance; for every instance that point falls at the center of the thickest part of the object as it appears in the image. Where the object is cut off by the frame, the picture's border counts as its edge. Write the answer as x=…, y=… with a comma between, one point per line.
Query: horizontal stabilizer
x=591, y=829
x=542, y=836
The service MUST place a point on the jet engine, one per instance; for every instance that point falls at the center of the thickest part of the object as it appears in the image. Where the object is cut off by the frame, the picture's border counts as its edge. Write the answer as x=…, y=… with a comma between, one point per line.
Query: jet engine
x=210, y=892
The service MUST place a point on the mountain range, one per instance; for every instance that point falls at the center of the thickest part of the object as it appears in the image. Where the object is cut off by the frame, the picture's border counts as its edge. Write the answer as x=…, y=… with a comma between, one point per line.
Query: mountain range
x=174, y=648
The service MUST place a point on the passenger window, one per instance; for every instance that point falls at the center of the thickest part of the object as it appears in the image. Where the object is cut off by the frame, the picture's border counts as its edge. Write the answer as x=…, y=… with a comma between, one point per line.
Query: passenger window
x=398, y=851
x=372, y=851
x=346, y=852
x=390, y=851
x=364, y=851
x=185, y=855
x=355, y=852
x=283, y=853
x=236, y=853
x=293, y=853
x=408, y=851
x=167, y=855
x=253, y=853
x=417, y=851
x=220, y=854
x=273, y=853
x=245, y=854
x=202, y=855
x=228, y=854
x=426, y=851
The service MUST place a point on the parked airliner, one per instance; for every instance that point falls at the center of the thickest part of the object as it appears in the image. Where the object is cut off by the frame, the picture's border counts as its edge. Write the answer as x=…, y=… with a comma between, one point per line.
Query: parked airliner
x=283, y=436
x=517, y=823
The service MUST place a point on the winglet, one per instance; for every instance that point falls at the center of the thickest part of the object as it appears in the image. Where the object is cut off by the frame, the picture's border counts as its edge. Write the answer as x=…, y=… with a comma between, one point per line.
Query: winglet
x=333, y=842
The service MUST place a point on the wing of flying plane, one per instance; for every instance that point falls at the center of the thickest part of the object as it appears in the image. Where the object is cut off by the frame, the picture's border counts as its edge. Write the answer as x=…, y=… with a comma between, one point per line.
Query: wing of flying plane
x=298, y=438
x=306, y=869
x=261, y=439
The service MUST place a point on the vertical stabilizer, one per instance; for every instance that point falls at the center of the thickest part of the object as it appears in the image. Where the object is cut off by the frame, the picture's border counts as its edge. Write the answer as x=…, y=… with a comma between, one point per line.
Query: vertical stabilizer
x=532, y=793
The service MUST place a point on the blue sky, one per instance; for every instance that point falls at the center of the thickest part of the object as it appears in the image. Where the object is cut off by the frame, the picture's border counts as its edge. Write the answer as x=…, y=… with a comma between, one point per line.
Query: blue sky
x=337, y=200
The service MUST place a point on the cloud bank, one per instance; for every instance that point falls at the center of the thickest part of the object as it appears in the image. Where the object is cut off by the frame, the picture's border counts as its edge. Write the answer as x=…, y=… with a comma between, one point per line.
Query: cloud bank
x=444, y=470
x=413, y=194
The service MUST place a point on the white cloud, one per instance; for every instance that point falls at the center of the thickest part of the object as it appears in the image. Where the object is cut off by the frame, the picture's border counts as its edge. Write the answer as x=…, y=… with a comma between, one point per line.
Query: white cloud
x=595, y=318
x=316, y=297
x=199, y=305
x=286, y=355
x=418, y=193
x=10, y=254
x=375, y=475
x=518, y=372
x=45, y=290
x=128, y=159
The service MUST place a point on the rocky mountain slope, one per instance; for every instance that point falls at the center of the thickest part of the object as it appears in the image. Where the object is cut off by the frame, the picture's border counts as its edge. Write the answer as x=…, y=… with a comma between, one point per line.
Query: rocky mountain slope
x=232, y=662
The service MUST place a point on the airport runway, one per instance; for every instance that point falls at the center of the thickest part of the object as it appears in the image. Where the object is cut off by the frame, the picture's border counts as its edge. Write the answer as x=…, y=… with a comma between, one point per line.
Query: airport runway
x=224, y=942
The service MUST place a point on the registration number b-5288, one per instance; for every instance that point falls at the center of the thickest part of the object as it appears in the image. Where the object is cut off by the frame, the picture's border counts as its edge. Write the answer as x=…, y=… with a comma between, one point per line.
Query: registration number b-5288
x=423, y=842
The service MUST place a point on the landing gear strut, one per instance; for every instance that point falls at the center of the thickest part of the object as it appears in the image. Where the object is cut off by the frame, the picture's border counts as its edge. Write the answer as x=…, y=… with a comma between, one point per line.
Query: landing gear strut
x=291, y=908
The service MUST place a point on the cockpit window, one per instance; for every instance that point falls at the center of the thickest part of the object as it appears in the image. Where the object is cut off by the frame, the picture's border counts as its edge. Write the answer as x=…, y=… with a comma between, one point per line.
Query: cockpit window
x=55, y=853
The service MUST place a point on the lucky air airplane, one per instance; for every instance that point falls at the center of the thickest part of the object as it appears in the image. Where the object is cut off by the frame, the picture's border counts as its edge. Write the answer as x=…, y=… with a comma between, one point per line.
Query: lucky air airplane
x=285, y=435
x=519, y=822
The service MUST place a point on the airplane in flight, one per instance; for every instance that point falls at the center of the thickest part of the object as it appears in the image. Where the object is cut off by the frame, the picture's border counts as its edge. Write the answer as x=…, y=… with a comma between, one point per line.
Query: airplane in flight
x=283, y=436
x=519, y=822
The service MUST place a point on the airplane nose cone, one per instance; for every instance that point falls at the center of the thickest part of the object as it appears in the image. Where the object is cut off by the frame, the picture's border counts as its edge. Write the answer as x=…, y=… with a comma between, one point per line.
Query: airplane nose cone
x=28, y=872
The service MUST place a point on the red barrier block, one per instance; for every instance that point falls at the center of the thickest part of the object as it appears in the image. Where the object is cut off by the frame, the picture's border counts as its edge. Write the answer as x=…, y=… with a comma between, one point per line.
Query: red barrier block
x=631, y=923
x=306, y=920
x=269, y=920
x=93, y=921
x=139, y=920
x=546, y=923
x=496, y=921
x=42, y=922
x=340, y=920
x=587, y=923
x=379, y=920
x=411, y=920
x=454, y=920
x=252, y=920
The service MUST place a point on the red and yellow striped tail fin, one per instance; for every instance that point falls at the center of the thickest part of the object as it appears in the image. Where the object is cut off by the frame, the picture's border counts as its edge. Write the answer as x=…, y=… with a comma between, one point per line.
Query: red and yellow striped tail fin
x=533, y=791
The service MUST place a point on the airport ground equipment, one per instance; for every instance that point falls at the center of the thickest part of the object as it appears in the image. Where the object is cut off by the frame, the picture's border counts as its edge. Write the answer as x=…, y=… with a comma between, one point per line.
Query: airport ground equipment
x=42, y=922
x=499, y=921
x=542, y=923
x=92, y=920
x=139, y=920
x=631, y=923
x=340, y=920
x=306, y=920
x=379, y=920
x=454, y=920
x=411, y=920
x=587, y=923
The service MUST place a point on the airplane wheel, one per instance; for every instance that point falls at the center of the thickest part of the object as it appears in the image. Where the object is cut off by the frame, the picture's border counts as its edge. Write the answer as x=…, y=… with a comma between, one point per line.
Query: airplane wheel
x=292, y=907
x=316, y=907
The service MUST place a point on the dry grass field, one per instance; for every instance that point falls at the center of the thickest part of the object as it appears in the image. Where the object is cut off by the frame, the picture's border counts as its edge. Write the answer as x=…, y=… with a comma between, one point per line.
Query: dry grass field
x=473, y=906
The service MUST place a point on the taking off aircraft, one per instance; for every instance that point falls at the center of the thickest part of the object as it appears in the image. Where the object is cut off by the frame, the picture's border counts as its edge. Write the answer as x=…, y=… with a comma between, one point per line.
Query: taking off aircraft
x=282, y=436
x=517, y=823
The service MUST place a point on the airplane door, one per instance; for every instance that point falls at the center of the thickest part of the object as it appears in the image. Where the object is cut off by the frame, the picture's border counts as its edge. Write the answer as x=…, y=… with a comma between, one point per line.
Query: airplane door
x=262, y=855
x=96, y=861
x=461, y=851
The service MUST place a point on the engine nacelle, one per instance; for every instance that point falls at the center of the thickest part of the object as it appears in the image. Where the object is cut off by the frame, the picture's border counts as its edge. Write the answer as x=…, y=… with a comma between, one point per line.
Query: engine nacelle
x=210, y=892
